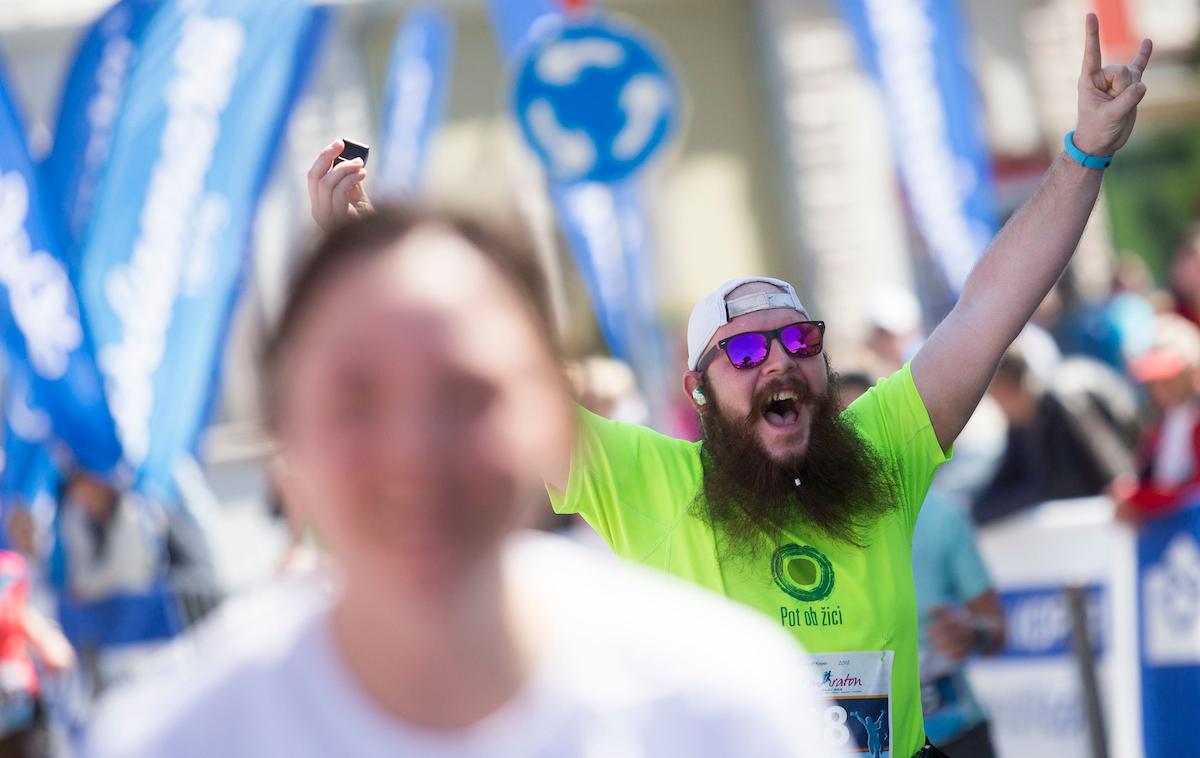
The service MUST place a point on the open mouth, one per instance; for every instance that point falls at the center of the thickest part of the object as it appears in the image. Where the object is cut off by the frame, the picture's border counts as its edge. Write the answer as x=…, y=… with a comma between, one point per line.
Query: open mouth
x=782, y=409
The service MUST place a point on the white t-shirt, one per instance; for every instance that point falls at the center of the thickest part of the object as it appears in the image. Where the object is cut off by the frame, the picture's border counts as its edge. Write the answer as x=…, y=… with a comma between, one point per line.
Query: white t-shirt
x=617, y=679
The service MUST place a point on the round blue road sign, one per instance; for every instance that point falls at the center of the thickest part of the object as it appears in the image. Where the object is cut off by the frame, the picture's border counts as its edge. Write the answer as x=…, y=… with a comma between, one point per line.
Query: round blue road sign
x=595, y=100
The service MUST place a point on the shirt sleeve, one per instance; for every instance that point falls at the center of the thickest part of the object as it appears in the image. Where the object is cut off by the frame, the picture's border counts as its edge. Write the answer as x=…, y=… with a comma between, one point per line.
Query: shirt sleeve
x=892, y=418
x=630, y=483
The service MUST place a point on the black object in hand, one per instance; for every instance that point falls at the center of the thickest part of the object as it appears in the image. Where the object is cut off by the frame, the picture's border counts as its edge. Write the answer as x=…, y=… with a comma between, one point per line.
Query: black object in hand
x=351, y=151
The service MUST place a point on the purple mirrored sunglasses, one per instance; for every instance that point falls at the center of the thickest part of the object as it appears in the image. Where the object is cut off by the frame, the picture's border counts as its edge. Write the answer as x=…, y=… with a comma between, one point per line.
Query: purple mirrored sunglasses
x=802, y=339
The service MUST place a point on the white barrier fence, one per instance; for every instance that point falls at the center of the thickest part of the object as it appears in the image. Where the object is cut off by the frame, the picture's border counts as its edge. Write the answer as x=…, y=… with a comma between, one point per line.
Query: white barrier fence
x=1032, y=691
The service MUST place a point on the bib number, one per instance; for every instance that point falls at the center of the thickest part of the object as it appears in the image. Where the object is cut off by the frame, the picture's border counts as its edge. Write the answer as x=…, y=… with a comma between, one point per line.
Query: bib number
x=856, y=716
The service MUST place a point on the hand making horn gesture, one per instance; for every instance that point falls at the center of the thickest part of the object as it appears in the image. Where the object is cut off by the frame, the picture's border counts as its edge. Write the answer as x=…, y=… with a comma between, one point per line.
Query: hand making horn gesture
x=1108, y=96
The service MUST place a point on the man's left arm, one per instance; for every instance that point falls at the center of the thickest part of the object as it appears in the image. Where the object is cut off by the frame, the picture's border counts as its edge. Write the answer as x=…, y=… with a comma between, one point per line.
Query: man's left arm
x=953, y=368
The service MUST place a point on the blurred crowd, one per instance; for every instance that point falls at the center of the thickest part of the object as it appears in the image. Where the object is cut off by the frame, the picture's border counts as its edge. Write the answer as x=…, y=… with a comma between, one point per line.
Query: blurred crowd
x=1096, y=397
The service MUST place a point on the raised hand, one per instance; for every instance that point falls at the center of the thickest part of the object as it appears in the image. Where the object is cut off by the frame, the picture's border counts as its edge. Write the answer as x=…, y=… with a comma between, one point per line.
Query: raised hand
x=335, y=193
x=1108, y=96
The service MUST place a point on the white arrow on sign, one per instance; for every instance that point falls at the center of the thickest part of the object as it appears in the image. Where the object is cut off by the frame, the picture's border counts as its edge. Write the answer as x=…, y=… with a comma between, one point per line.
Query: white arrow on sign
x=561, y=63
x=644, y=99
x=571, y=150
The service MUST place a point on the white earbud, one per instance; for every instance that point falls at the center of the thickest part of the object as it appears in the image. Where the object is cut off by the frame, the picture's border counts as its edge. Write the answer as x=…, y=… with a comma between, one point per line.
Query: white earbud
x=698, y=396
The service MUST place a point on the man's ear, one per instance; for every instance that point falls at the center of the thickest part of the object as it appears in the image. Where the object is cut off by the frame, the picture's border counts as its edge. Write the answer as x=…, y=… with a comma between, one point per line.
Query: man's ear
x=693, y=386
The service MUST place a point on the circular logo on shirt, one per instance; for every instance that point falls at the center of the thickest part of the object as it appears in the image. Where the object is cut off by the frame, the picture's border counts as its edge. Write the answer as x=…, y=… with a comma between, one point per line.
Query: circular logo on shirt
x=803, y=572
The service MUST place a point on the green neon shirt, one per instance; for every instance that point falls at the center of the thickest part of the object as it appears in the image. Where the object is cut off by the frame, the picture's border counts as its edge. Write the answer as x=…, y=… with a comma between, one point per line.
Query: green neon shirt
x=636, y=488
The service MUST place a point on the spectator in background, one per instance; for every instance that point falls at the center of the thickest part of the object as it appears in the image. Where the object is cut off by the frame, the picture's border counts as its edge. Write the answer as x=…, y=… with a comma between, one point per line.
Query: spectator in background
x=128, y=571
x=959, y=615
x=1184, y=276
x=896, y=331
x=852, y=384
x=1108, y=330
x=25, y=635
x=1169, y=458
x=1072, y=429
x=1133, y=275
x=109, y=540
x=412, y=449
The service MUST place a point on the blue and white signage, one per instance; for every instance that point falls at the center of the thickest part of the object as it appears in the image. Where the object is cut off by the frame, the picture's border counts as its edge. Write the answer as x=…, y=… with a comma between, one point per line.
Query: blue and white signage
x=595, y=100
x=28, y=468
x=46, y=339
x=91, y=101
x=918, y=51
x=205, y=104
x=414, y=100
x=1169, y=564
x=1032, y=692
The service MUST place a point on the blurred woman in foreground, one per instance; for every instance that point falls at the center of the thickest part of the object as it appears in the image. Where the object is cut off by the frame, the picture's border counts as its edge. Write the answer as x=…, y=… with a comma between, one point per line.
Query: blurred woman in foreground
x=415, y=395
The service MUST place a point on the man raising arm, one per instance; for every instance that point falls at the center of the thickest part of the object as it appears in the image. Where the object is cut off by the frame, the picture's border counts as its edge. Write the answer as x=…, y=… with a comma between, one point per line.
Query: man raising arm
x=953, y=368
x=793, y=507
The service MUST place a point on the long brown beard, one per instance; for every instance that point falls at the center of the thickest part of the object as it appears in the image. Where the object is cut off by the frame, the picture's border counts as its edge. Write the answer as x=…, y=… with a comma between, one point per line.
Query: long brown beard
x=749, y=498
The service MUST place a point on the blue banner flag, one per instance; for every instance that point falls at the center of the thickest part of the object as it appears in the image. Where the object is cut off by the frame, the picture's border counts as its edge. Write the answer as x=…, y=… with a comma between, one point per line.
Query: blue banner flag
x=45, y=338
x=604, y=222
x=91, y=100
x=916, y=49
x=606, y=230
x=29, y=468
x=588, y=214
x=1169, y=589
x=414, y=100
x=205, y=105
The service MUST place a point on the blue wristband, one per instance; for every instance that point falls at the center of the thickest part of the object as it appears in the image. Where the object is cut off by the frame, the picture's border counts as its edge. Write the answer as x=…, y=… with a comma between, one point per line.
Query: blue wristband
x=1087, y=160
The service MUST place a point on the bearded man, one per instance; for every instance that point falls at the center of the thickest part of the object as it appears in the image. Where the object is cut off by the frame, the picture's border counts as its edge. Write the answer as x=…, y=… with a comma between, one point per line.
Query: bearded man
x=807, y=514
x=788, y=506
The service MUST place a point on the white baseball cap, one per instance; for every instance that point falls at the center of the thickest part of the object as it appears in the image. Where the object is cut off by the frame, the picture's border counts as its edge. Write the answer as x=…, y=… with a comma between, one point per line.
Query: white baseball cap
x=713, y=312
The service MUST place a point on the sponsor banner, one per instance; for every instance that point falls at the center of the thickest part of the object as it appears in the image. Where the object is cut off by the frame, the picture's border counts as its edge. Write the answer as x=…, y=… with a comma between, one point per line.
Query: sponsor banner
x=1038, y=621
x=91, y=100
x=918, y=51
x=1031, y=691
x=606, y=230
x=205, y=105
x=591, y=223
x=1169, y=584
x=48, y=344
x=414, y=100
x=28, y=468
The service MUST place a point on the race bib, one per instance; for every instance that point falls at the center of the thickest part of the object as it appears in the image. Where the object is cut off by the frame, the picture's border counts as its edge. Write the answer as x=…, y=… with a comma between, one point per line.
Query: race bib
x=856, y=715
